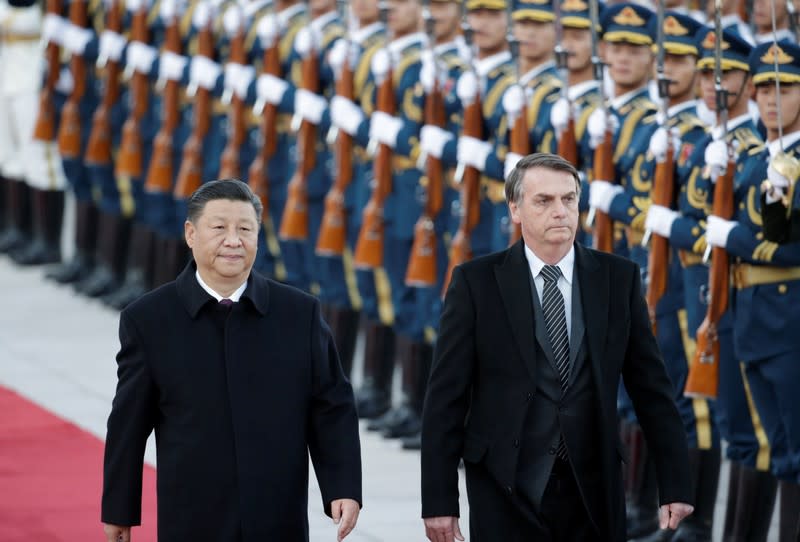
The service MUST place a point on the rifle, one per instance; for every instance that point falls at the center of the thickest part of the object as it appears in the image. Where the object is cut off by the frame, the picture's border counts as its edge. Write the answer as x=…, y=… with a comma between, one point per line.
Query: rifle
x=45, y=129
x=257, y=177
x=98, y=150
x=159, y=174
x=333, y=231
x=470, y=180
x=568, y=144
x=69, y=131
x=229, y=162
x=294, y=224
x=369, y=247
x=662, y=192
x=422, y=264
x=190, y=175
x=129, y=159
x=703, y=378
x=519, y=140
x=604, y=153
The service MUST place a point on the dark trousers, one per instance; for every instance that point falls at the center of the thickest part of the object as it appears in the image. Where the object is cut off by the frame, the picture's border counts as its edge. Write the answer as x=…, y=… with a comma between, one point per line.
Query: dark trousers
x=496, y=515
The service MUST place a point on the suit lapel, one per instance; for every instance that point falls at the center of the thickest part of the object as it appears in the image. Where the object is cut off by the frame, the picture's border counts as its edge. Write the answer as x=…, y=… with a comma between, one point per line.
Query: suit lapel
x=513, y=281
x=593, y=282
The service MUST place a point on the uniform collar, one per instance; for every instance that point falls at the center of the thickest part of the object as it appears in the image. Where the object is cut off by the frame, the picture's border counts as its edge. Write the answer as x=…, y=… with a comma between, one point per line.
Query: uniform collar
x=486, y=65
x=323, y=20
x=782, y=34
x=213, y=293
x=536, y=72
x=286, y=14
x=788, y=140
x=363, y=34
x=396, y=47
x=457, y=45
x=733, y=124
x=576, y=91
x=566, y=264
x=619, y=101
x=681, y=107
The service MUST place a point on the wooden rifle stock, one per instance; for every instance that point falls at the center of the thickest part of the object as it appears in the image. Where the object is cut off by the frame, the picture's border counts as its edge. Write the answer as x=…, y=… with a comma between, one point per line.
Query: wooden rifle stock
x=703, y=378
x=333, y=231
x=190, y=175
x=460, y=248
x=658, y=257
x=257, y=177
x=422, y=264
x=129, y=159
x=604, y=169
x=520, y=144
x=229, y=162
x=69, y=131
x=369, y=247
x=568, y=144
x=294, y=224
x=159, y=174
x=45, y=128
x=98, y=150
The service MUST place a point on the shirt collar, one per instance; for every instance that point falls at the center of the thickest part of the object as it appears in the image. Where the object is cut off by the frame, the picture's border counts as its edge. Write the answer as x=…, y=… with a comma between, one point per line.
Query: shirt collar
x=484, y=66
x=235, y=296
x=675, y=109
x=788, y=140
x=716, y=132
x=362, y=34
x=619, y=101
x=536, y=72
x=455, y=44
x=566, y=264
x=782, y=34
x=396, y=47
x=286, y=14
x=576, y=91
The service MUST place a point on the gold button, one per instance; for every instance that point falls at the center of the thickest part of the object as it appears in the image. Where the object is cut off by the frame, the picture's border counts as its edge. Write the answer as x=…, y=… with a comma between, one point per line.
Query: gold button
x=782, y=288
x=695, y=231
x=741, y=206
x=760, y=235
x=631, y=212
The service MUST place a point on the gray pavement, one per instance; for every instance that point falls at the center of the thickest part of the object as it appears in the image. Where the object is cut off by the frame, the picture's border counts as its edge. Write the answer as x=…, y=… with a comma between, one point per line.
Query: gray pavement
x=57, y=349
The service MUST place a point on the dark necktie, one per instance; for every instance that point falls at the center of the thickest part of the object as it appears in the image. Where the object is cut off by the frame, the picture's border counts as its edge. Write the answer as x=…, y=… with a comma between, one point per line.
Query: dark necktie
x=555, y=318
x=225, y=302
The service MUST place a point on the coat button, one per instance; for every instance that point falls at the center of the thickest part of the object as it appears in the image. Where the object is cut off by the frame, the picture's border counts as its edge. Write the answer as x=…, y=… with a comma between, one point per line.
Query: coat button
x=528, y=396
x=509, y=490
x=552, y=450
x=516, y=443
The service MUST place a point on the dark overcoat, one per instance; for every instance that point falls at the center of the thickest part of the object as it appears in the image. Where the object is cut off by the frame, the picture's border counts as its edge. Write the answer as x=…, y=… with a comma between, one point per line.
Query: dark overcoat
x=238, y=401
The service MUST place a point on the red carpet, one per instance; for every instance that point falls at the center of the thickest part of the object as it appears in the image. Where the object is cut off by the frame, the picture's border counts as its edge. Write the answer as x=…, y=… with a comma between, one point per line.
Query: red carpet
x=51, y=475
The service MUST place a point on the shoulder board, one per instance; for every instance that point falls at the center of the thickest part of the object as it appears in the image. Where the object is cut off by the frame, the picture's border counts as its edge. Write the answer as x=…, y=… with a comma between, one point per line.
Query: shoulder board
x=746, y=137
x=410, y=58
x=761, y=147
x=503, y=69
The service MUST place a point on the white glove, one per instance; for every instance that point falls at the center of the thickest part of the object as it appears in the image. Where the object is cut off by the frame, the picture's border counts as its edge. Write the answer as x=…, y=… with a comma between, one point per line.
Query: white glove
x=467, y=88
x=238, y=78
x=65, y=83
x=338, y=55
x=54, y=29
x=141, y=56
x=602, y=193
x=309, y=105
x=134, y=5
x=473, y=152
x=270, y=88
x=380, y=64
x=168, y=9
x=658, y=143
x=202, y=15
x=346, y=115
x=204, y=72
x=717, y=231
x=384, y=128
x=559, y=116
x=172, y=66
x=432, y=140
x=599, y=120
x=77, y=38
x=659, y=220
x=513, y=101
x=716, y=156
x=427, y=72
x=780, y=185
x=511, y=162
x=232, y=20
x=267, y=29
x=111, y=45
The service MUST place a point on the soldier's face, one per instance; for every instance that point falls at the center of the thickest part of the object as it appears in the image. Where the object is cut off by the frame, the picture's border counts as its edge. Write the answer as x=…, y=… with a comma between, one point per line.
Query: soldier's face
x=223, y=239
x=548, y=209
x=578, y=42
x=767, y=100
x=734, y=81
x=489, y=27
x=536, y=39
x=366, y=11
x=404, y=16
x=762, y=13
x=446, y=16
x=629, y=65
x=680, y=70
x=321, y=6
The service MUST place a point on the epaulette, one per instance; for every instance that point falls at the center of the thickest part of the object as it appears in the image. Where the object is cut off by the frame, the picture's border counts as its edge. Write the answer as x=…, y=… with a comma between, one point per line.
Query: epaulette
x=687, y=121
x=752, y=151
x=502, y=69
x=746, y=137
x=641, y=102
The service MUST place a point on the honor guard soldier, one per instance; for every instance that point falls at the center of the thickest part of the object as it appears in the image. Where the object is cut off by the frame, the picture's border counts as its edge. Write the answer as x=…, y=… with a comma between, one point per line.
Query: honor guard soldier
x=350, y=116
x=80, y=47
x=762, y=21
x=32, y=181
x=679, y=131
x=766, y=275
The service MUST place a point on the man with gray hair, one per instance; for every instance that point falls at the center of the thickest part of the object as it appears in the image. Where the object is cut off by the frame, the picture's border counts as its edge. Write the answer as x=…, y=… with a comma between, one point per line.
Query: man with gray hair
x=538, y=336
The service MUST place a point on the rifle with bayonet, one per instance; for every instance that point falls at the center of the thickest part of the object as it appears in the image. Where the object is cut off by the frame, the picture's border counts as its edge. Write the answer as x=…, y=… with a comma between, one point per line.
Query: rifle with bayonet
x=230, y=166
x=45, y=128
x=519, y=139
x=69, y=130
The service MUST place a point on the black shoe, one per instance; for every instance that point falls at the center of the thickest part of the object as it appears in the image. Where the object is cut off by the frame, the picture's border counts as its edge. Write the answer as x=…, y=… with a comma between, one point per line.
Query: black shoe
x=130, y=291
x=48, y=214
x=385, y=420
x=407, y=425
x=75, y=270
x=413, y=442
x=102, y=281
x=13, y=239
x=372, y=403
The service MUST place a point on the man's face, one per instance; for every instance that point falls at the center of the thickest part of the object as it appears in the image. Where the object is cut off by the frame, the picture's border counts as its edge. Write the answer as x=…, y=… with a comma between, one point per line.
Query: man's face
x=537, y=40
x=321, y=6
x=223, y=239
x=446, y=16
x=578, y=43
x=489, y=27
x=732, y=81
x=680, y=70
x=547, y=212
x=762, y=13
x=365, y=10
x=766, y=98
x=629, y=65
x=404, y=16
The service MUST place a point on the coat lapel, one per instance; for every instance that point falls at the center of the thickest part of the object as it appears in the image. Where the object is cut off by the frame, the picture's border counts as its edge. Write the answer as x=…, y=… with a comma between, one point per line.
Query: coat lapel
x=593, y=281
x=513, y=281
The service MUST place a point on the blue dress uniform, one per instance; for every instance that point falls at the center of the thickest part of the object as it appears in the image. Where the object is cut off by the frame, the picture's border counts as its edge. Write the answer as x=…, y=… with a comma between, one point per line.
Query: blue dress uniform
x=766, y=278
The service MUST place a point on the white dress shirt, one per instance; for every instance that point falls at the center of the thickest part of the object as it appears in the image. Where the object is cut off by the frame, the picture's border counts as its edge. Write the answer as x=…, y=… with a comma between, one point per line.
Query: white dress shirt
x=566, y=265
x=233, y=297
